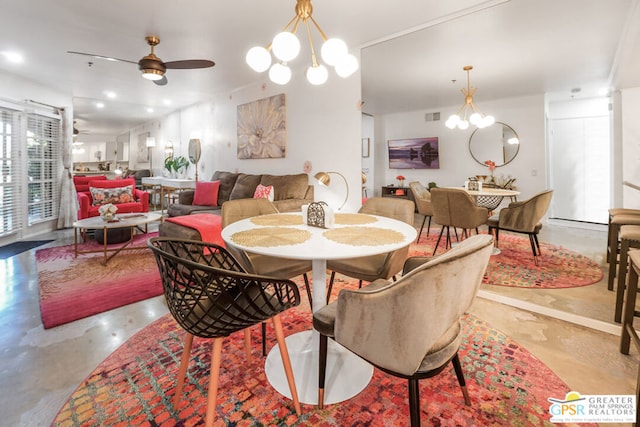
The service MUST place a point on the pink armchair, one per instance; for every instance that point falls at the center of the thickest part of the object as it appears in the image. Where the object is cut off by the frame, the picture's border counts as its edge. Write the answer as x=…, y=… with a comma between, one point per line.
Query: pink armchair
x=140, y=202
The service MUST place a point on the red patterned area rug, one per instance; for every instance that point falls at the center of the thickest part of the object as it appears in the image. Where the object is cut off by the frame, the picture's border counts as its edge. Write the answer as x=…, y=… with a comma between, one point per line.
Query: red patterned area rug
x=73, y=288
x=514, y=266
x=135, y=386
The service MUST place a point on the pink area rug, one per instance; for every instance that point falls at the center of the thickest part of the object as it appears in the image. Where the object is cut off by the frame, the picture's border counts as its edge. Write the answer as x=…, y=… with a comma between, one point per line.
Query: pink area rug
x=73, y=288
x=135, y=386
x=557, y=267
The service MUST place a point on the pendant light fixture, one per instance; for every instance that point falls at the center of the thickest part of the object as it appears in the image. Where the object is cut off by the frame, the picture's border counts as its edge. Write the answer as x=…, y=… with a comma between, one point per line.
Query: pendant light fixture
x=286, y=47
x=468, y=108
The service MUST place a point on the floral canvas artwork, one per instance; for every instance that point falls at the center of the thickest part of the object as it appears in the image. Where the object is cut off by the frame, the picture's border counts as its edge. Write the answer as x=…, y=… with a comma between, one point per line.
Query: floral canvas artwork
x=262, y=128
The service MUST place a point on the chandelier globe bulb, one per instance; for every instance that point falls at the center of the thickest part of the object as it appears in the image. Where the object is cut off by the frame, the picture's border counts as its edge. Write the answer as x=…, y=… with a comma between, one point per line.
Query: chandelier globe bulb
x=347, y=66
x=317, y=75
x=258, y=58
x=280, y=74
x=333, y=51
x=475, y=119
x=463, y=124
x=286, y=46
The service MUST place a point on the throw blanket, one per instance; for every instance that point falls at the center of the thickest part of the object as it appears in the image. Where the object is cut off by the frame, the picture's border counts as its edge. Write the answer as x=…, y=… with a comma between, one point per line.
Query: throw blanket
x=208, y=225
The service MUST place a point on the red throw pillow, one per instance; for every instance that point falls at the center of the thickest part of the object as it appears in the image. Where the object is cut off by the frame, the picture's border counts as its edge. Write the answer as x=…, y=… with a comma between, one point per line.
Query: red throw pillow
x=264, y=192
x=206, y=193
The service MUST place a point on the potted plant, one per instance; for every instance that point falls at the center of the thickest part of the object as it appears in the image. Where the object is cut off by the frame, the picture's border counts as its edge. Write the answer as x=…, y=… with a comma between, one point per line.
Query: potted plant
x=176, y=165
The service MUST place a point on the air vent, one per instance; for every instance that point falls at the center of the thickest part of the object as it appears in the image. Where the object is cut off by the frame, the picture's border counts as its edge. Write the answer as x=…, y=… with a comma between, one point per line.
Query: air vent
x=432, y=117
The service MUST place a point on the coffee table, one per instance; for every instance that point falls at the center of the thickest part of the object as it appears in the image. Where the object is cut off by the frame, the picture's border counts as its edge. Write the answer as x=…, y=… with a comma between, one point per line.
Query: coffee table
x=133, y=221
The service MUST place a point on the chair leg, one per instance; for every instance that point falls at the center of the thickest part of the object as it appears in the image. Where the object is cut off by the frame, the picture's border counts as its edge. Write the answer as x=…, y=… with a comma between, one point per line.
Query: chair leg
x=533, y=249
x=629, y=310
x=424, y=218
x=333, y=276
x=429, y=226
x=439, y=238
x=460, y=375
x=264, y=338
x=622, y=278
x=308, y=288
x=182, y=372
x=322, y=369
x=284, y=353
x=614, y=229
x=360, y=284
x=214, y=376
x=414, y=402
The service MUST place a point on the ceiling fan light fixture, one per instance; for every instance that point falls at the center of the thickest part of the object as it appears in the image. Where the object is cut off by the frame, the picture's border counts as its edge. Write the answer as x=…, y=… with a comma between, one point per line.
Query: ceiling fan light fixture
x=286, y=47
x=151, y=74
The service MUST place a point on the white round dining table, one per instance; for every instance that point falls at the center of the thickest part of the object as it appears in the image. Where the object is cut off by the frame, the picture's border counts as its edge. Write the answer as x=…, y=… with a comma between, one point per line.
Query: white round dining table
x=286, y=235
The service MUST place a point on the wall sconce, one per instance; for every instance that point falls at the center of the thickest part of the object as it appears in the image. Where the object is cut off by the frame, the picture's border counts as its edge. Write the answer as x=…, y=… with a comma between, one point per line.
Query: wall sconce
x=151, y=142
x=324, y=179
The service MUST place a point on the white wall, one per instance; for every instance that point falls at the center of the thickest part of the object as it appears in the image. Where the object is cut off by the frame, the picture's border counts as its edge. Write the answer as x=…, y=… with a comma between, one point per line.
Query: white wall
x=323, y=127
x=524, y=114
x=630, y=104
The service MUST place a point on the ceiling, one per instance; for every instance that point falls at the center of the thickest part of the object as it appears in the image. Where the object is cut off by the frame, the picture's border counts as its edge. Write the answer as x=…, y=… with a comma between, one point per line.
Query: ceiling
x=411, y=50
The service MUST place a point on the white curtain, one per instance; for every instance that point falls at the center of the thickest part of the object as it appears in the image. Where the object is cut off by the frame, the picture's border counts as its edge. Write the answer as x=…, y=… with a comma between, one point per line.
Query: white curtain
x=68, y=200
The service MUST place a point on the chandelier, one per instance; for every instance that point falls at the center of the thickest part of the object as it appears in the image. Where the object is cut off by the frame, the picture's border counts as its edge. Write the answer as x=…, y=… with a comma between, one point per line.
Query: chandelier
x=476, y=117
x=286, y=46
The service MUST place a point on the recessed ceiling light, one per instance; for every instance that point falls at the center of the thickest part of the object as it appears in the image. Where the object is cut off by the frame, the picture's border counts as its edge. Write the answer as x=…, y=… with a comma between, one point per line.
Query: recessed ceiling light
x=99, y=105
x=166, y=101
x=603, y=91
x=149, y=110
x=14, y=57
x=110, y=94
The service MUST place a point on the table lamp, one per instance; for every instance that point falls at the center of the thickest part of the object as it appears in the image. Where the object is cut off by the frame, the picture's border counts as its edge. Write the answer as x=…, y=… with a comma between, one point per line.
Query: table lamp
x=324, y=179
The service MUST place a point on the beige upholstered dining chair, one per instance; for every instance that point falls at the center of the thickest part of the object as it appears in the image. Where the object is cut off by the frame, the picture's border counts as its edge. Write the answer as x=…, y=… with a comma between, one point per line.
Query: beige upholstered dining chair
x=454, y=207
x=523, y=217
x=382, y=266
x=422, y=198
x=211, y=296
x=412, y=325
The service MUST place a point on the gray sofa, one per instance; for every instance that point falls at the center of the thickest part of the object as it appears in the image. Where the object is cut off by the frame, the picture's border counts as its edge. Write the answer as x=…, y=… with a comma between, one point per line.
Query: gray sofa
x=290, y=192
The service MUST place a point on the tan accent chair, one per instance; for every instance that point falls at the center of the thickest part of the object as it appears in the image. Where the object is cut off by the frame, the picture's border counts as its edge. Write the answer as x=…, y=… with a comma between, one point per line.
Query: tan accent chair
x=264, y=265
x=422, y=198
x=454, y=207
x=381, y=266
x=523, y=217
x=211, y=296
x=409, y=328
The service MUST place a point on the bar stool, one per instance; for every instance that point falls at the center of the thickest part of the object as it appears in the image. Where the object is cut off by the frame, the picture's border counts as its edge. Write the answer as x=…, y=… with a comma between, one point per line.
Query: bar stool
x=613, y=212
x=628, y=332
x=613, y=247
x=629, y=238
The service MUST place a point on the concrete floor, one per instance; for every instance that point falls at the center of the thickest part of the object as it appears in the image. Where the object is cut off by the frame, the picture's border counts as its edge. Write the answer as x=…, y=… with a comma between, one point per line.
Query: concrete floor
x=40, y=368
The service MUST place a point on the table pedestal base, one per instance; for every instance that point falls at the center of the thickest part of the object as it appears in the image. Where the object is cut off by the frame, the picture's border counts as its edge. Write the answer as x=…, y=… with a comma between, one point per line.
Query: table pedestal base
x=347, y=374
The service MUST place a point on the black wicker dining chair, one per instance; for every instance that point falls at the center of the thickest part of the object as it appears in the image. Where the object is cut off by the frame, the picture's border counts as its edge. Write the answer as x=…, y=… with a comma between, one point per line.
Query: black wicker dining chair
x=211, y=296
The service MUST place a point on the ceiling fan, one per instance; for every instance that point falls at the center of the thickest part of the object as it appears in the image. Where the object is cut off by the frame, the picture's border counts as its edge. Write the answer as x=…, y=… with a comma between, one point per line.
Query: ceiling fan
x=152, y=67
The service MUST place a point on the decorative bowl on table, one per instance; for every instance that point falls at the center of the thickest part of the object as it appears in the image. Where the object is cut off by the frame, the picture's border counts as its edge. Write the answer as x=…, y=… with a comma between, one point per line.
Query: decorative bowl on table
x=108, y=212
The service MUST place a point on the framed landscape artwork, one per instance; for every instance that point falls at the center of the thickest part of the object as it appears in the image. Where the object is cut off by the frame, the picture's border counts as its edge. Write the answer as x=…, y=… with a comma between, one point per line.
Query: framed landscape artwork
x=414, y=153
x=262, y=129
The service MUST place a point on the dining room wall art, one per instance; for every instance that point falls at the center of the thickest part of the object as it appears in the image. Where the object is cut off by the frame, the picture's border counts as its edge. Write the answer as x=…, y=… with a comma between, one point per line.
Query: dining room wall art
x=414, y=153
x=262, y=130
x=142, y=152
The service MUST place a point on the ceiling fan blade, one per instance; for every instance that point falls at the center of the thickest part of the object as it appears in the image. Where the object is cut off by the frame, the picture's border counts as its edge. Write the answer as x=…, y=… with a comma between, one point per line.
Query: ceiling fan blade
x=163, y=81
x=106, y=58
x=189, y=64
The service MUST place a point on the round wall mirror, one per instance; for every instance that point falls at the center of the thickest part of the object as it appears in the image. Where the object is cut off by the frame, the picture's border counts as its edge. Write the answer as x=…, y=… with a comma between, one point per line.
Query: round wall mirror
x=498, y=143
x=194, y=150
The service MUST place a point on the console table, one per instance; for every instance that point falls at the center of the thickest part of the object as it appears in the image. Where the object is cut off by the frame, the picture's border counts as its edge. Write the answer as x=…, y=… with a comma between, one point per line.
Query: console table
x=392, y=191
